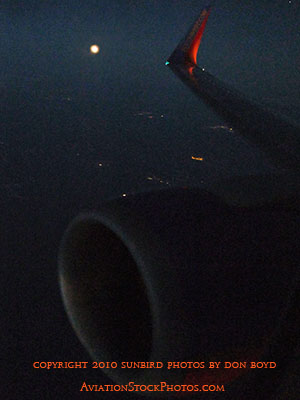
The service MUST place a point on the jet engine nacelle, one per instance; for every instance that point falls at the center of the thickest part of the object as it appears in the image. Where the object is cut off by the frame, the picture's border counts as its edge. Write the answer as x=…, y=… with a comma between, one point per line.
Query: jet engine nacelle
x=180, y=276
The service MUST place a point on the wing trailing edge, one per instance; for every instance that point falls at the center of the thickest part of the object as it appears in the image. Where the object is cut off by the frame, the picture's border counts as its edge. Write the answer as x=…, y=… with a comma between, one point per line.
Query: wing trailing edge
x=187, y=49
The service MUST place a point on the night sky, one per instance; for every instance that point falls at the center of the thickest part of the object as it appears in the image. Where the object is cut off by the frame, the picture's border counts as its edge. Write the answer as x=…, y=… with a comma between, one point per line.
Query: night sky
x=79, y=128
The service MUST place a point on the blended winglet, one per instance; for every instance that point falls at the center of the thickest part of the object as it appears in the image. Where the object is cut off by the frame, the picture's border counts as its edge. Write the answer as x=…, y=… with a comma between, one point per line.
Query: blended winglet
x=186, y=51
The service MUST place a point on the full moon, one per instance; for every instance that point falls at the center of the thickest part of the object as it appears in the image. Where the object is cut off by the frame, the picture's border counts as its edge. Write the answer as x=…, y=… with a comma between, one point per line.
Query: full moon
x=94, y=49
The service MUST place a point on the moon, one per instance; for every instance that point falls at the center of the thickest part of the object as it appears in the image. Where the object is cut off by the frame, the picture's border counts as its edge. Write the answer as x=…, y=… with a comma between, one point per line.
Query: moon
x=94, y=49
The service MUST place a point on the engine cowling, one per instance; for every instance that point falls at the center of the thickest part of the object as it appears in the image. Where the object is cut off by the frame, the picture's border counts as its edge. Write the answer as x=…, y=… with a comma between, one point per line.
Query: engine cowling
x=178, y=275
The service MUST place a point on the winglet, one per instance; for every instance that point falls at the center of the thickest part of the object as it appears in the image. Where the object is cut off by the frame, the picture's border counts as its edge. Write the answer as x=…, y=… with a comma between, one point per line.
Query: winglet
x=186, y=51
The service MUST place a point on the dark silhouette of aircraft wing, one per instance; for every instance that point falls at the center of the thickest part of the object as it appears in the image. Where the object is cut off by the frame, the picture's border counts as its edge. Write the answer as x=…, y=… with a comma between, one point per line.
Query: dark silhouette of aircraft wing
x=278, y=138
